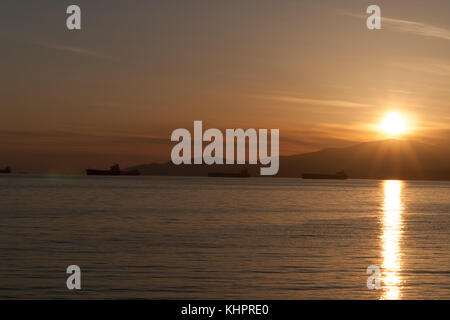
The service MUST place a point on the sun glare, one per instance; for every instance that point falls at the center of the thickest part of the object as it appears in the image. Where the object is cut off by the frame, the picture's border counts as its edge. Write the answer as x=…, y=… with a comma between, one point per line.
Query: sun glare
x=393, y=124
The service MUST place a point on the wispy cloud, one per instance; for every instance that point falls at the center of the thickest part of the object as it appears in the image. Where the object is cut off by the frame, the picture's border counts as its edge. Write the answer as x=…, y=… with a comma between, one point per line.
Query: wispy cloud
x=417, y=28
x=321, y=102
x=411, y=27
x=78, y=51
x=435, y=68
x=77, y=135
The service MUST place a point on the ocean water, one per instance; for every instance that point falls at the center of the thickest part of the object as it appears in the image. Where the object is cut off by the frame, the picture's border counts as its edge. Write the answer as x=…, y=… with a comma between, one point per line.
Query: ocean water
x=256, y=238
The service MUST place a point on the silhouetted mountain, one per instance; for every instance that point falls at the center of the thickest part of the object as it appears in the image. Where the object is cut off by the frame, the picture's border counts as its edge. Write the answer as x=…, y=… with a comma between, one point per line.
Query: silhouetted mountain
x=386, y=159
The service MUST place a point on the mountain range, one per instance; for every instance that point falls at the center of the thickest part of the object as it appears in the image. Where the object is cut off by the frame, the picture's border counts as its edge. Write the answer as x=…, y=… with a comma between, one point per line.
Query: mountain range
x=384, y=159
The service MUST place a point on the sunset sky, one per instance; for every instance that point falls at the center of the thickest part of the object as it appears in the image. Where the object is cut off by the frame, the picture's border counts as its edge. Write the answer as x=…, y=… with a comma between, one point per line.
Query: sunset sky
x=114, y=91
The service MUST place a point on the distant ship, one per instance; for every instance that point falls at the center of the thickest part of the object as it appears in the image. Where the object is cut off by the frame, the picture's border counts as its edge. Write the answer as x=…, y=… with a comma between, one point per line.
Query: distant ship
x=242, y=174
x=339, y=175
x=113, y=171
x=6, y=170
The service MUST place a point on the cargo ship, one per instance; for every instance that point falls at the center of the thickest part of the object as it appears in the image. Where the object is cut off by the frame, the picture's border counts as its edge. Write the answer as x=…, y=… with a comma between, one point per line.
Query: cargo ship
x=339, y=175
x=5, y=170
x=242, y=174
x=113, y=171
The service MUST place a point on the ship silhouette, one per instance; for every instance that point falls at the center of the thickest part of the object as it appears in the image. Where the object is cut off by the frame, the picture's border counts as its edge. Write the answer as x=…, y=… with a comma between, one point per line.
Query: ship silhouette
x=5, y=170
x=242, y=174
x=338, y=175
x=113, y=171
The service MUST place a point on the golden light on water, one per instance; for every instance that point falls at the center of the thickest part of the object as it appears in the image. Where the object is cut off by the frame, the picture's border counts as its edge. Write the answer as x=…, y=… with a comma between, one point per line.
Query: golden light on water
x=391, y=240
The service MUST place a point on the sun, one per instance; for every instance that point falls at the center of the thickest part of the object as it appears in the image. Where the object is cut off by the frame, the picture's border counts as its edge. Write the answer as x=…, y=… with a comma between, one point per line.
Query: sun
x=393, y=124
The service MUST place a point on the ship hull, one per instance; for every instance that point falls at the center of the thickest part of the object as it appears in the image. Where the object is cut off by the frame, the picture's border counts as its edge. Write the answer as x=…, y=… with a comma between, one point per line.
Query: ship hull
x=242, y=174
x=324, y=176
x=227, y=175
x=92, y=172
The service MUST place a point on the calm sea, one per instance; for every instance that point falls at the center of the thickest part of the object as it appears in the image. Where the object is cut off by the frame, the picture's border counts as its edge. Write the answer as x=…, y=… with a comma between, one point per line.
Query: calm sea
x=158, y=237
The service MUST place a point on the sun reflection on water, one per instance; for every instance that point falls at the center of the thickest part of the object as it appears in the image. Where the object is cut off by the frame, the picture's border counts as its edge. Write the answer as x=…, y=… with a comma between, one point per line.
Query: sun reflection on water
x=391, y=240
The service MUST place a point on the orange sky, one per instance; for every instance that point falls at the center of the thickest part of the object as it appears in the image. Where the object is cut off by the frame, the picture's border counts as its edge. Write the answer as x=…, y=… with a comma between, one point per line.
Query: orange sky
x=114, y=91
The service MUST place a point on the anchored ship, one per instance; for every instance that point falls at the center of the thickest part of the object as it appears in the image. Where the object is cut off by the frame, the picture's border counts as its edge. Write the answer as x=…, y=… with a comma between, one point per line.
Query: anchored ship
x=113, y=171
x=5, y=170
x=338, y=175
x=242, y=174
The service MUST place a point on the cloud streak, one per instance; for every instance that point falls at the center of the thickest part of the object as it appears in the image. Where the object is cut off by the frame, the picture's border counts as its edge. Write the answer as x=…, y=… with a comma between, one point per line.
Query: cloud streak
x=439, y=69
x=78, y=51
x=417, y=28
x=411, y=27
x=71, y=135
x=321, y=102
